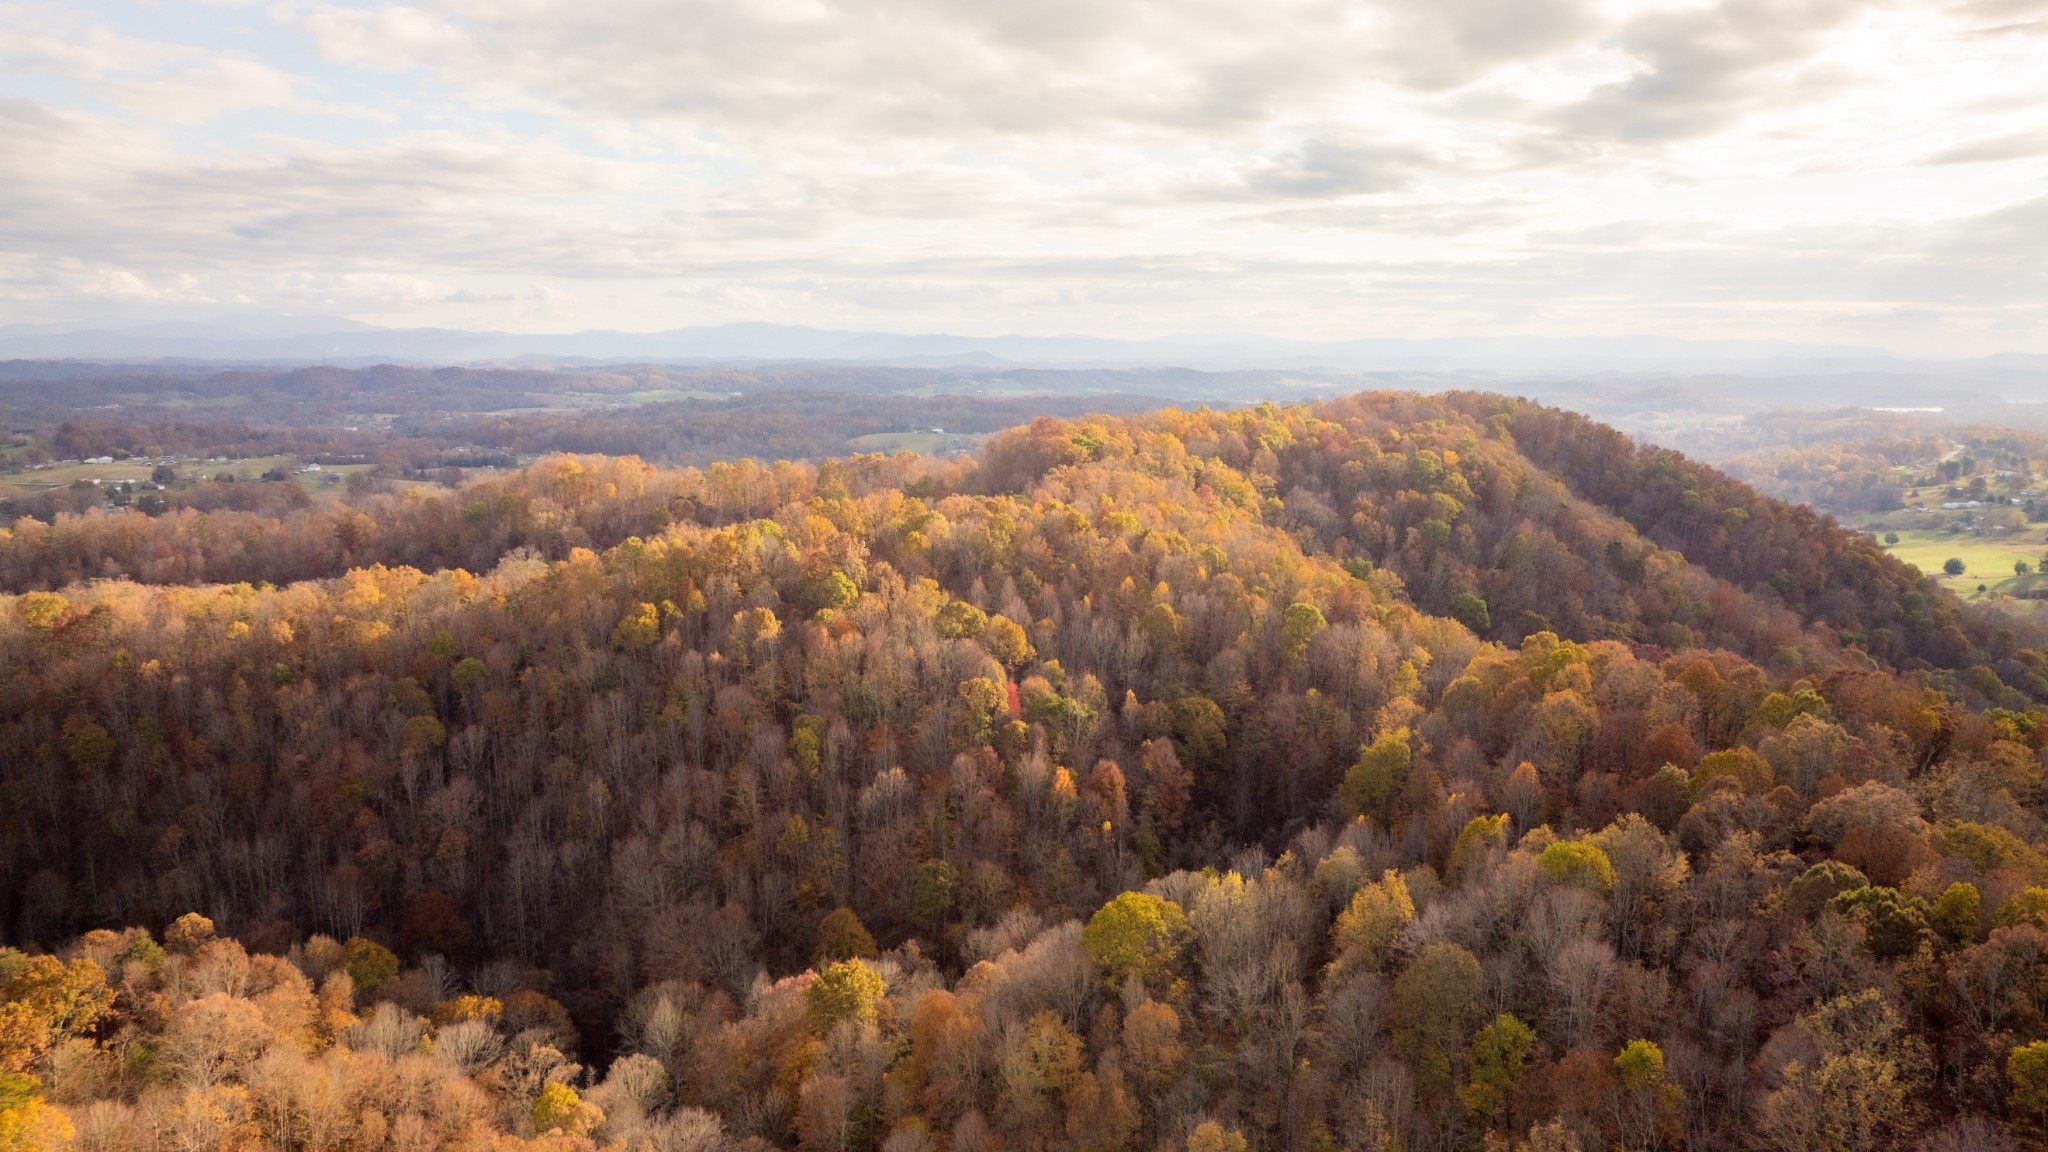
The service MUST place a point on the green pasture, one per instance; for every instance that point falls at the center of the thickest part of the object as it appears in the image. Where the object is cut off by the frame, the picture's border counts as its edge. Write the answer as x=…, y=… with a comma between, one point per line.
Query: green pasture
x=1987, y=560
x=57, y=477
x=28, y=482
x=922, y=443
x=644, y=396
x=197, y=402
x=543, y=403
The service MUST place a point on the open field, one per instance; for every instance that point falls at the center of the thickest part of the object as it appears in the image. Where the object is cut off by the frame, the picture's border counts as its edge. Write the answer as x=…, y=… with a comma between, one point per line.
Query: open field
x=29, y=481
x=1987, y=560
x=923, y=443
x=330, y=482
x=40, y=479
x=198, y=401
x=634, y=399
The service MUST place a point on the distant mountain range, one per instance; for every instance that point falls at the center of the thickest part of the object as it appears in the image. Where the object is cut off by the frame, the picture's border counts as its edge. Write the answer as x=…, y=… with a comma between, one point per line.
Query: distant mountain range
x=335, y=340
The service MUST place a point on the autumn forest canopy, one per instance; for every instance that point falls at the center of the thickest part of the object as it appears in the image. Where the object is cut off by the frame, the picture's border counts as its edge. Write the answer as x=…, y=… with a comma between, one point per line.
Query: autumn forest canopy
x=1379, y=773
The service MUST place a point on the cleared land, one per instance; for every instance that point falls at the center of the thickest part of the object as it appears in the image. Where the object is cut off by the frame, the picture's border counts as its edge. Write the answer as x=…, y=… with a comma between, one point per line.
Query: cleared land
x=1986, y=560
x=29, y=481
x=41, y=479
x=922, y=443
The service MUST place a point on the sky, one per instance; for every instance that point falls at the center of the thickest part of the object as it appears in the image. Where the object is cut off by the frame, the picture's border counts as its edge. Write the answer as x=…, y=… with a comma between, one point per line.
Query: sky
x=1831, y=171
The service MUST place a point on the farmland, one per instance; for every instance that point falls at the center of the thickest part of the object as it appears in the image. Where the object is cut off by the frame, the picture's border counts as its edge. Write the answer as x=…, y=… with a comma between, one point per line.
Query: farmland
x=1987, y=560
x=922, y=443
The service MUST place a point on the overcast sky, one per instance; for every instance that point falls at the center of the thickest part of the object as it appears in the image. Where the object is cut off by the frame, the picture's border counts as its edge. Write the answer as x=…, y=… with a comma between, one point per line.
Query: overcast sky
x=1817, y=170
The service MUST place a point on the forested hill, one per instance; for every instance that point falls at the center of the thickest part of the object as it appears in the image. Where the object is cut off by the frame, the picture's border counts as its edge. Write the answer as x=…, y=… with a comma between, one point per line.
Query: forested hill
x=1511, y=517
x=1392, y=772
x=1838, y=579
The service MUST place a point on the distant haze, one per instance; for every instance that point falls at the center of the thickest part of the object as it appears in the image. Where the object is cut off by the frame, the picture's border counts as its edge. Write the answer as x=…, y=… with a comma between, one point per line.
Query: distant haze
x=299, y=340
x=1219, y=182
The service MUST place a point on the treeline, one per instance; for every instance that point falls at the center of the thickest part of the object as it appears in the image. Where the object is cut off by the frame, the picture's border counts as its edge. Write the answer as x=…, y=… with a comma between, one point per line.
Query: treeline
x=74, y=411
x=251, y=533
x=770, y=425
x=1123, y=789
x=774, y=424
x=1963, y=463
x=1839, y=478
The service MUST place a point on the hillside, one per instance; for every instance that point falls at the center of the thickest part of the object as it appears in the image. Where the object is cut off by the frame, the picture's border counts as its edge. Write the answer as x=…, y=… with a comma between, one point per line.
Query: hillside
x=1387, y=772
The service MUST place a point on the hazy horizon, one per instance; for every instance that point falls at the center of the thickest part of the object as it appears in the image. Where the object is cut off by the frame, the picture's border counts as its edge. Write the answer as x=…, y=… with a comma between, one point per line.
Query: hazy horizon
x=1823, y=172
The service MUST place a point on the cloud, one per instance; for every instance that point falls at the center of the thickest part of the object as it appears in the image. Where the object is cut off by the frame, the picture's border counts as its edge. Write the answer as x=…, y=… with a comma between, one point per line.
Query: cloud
x=924, y=68
x=200, y=93
x=387, y=38
x=1451, y=43
x=95, y=189
x=1312, y=167
x=1997, y=16
x=147, y=78
x=1989, y=149
x=1703, y=68
x=1326, y=168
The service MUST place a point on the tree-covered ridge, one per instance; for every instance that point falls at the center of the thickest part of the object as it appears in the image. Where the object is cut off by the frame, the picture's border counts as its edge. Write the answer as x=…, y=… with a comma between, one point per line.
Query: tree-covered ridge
x=1834, y=578
x=1516, y=518
x=1294, y=778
